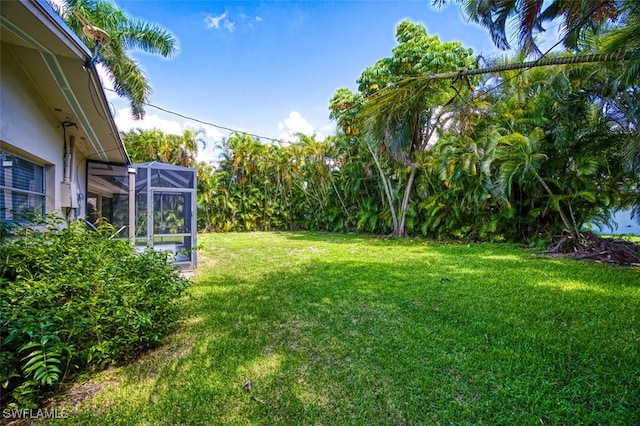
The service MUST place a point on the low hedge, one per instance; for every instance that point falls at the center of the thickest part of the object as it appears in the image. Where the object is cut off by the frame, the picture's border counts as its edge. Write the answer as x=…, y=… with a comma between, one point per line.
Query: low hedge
x=71, y=298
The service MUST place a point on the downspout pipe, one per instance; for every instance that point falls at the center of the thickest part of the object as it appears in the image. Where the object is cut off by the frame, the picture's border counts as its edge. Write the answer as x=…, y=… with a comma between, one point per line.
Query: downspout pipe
x=66, y=178
x=131, y=171
x=68, y=144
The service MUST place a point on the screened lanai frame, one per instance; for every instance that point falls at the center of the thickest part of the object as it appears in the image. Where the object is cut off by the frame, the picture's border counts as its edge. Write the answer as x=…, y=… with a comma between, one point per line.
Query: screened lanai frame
x=166, y=207
x=164, y=213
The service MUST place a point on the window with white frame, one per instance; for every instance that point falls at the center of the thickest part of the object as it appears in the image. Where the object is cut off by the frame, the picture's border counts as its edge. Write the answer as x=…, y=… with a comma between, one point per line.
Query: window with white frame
x=22, y=188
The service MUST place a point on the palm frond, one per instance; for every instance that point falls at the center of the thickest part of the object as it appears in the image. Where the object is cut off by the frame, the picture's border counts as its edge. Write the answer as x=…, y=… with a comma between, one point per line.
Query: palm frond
x=126, y=34
x=129, y=82
x=151, y=38
x=528, y=22
x=496, y=21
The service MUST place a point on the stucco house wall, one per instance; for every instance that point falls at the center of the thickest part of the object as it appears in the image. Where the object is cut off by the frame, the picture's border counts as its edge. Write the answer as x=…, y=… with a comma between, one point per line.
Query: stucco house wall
x=53, y=109
x=56, y=127
x=28, y=128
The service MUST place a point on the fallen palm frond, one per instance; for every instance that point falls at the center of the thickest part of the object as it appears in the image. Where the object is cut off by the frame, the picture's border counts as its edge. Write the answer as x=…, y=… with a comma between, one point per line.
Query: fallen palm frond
x=594, y=247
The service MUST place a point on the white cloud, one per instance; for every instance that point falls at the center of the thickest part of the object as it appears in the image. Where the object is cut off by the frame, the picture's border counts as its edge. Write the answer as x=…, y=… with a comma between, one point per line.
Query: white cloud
x=214, y=21
x=224, y=21
x=255, y=20
x=328, y=129
x=126, y=122
x=231, y=26
x=295, y=123
x=211, y=137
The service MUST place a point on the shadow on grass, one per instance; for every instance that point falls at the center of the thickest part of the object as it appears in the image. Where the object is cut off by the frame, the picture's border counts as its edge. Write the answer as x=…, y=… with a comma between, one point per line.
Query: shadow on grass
x=468, y=339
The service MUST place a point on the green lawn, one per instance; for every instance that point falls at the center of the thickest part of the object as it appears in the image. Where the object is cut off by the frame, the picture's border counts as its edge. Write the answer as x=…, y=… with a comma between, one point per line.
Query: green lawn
x=335, y=329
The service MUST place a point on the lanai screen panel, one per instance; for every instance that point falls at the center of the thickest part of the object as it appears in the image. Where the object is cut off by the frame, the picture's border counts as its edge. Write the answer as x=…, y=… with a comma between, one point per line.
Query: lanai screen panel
x=108, y=195
x=165, y=206
x=166, y=210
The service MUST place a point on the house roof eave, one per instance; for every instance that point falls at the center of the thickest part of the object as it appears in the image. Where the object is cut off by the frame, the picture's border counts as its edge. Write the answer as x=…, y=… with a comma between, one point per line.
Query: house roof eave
x=63, y=60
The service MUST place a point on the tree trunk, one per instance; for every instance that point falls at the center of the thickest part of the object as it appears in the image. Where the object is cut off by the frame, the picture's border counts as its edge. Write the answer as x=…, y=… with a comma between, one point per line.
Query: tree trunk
x=565, y=220
x=387, y=189
x=401, y=231
x=335, y=188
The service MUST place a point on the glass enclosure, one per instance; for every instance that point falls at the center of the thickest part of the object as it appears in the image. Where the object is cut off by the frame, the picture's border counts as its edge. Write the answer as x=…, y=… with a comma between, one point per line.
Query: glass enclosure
x=164, y=211
x=108, y=195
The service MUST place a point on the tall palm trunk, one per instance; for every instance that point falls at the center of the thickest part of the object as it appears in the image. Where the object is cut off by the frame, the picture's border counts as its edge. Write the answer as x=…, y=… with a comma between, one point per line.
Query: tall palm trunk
x=387, y=190
x=404, y=207
x=569, y=225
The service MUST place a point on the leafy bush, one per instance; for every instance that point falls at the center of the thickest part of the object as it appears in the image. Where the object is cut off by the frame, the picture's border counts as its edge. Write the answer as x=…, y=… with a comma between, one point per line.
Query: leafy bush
x=72, y=298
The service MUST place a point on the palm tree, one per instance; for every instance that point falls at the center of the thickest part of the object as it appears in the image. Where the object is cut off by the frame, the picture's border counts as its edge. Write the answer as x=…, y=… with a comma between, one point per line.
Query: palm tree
x=156, y=145
x=402, y=113
x=125, y=34
x=627, y=37
x=142, y=145
x=186, y=146
x=519, y=159
x=530, y=16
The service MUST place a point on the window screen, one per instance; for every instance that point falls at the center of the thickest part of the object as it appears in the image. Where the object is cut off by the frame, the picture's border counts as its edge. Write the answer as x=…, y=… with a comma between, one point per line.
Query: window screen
x=22, y=188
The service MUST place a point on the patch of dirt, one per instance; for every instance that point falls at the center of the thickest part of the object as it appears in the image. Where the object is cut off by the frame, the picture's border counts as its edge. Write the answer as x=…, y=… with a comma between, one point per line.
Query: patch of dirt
x=593, y=247
x=79, y=393
x=73, y=395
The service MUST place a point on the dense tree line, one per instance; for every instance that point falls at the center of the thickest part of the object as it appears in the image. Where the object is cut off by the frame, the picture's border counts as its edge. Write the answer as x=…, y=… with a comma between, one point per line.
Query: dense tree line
x=520, y=156
x=523, y=155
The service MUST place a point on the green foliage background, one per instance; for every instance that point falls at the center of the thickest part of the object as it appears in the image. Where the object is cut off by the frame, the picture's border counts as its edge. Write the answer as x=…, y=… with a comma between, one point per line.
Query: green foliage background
x=522, y=156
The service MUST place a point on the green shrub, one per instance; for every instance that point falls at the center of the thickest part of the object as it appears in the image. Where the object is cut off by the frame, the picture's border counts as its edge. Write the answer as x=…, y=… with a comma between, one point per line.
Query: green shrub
x=71, y=298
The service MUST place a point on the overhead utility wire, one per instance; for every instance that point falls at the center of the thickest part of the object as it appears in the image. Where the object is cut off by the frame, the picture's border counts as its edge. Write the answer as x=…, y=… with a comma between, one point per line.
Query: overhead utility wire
x=541, y=62
x=598, y=57
x=206, y=122
x=564, y=60
x=530, y=64
x=213, y=125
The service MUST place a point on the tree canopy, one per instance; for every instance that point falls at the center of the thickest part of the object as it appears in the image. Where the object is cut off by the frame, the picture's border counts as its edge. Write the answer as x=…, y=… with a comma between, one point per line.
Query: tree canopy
x=156, y=145
x=396, y=119
x=125, y=34
x=528, y=18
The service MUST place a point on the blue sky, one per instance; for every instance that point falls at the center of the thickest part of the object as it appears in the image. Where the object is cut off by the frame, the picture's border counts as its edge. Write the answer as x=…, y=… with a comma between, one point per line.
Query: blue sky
x=271, y=67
